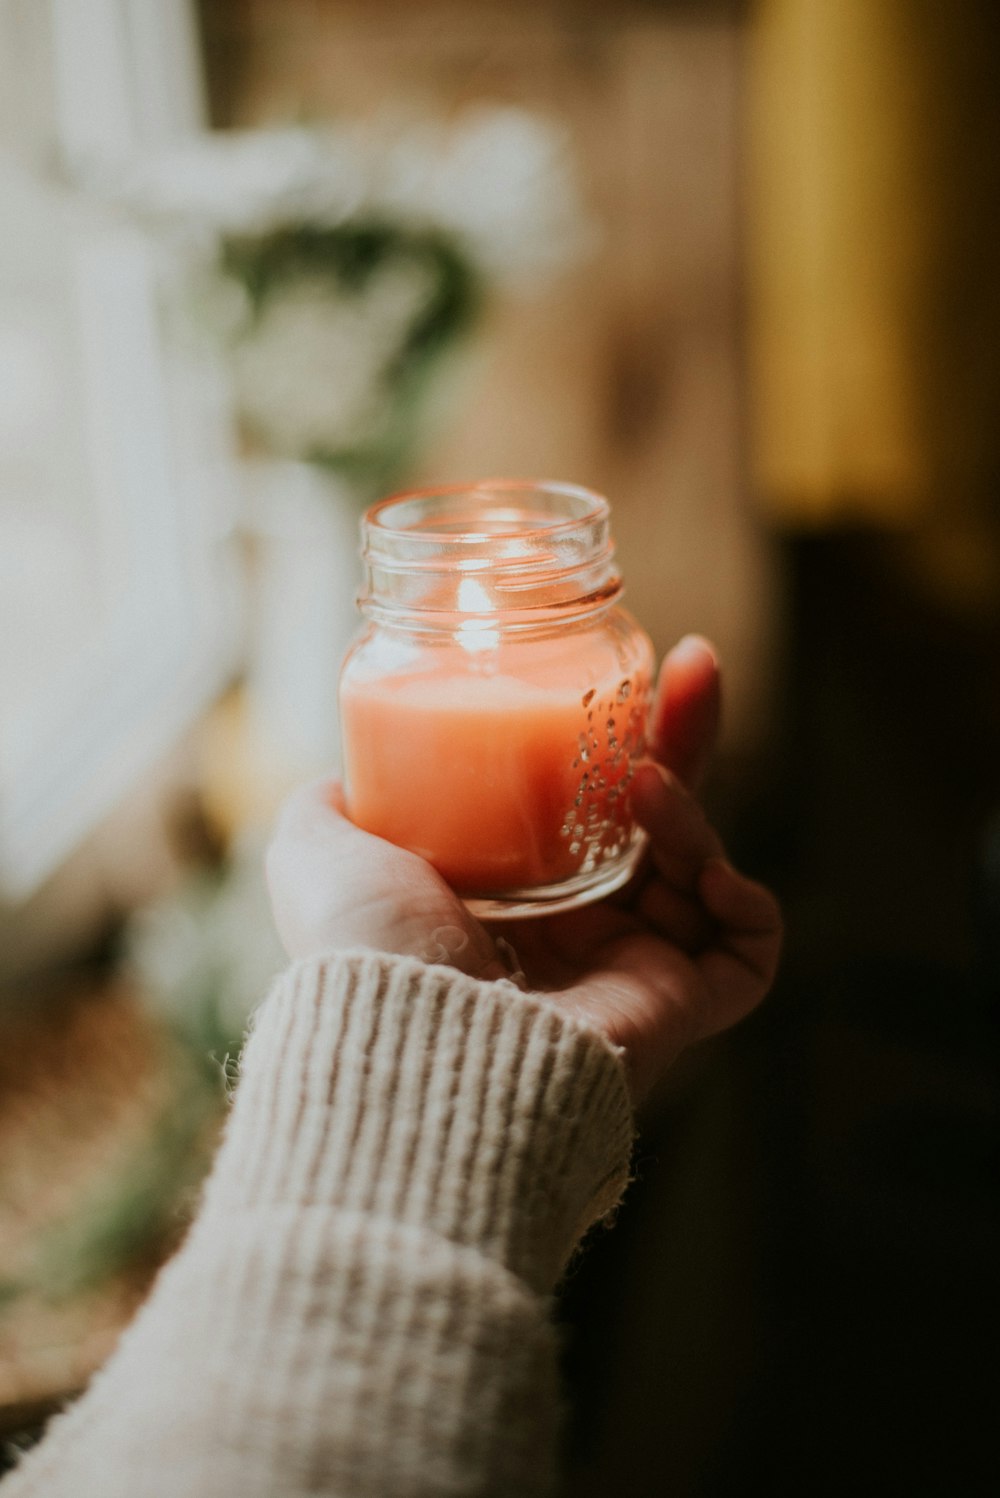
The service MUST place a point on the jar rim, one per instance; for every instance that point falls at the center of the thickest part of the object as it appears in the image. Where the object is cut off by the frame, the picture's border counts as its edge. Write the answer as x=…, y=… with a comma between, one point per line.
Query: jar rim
x=530, y=549
x=589, y=507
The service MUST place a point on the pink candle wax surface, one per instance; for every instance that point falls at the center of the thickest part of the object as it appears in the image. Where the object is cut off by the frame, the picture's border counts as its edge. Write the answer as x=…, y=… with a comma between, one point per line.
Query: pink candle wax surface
x=504, y=777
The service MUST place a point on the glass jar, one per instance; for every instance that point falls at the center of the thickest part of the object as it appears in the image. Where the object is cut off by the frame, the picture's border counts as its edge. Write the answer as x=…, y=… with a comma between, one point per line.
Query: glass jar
x=494, y=706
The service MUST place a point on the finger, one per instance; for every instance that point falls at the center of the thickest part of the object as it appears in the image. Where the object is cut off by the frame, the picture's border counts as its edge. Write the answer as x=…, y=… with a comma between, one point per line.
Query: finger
x=681, y=838
x=686, y=710
x=740, y=968
x=647, y=997
x=746, y=910
x=675, y=916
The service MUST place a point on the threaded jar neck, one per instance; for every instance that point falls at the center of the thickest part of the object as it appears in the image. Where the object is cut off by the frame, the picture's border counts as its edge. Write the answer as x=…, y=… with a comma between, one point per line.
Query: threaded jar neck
x=524, y=553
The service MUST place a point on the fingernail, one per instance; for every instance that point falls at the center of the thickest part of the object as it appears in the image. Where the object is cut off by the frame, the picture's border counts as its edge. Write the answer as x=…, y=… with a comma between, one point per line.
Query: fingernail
x=691, y=647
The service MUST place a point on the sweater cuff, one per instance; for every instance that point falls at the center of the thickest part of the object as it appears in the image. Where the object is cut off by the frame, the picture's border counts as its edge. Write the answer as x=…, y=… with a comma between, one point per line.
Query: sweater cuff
x=383, y=1086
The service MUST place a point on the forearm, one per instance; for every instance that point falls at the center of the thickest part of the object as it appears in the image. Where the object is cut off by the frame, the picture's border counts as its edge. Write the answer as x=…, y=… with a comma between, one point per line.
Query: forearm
x=362, y=1304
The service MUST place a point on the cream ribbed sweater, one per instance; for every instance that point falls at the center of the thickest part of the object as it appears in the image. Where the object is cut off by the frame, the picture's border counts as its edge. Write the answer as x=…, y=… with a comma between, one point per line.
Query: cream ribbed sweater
x=361, y=1306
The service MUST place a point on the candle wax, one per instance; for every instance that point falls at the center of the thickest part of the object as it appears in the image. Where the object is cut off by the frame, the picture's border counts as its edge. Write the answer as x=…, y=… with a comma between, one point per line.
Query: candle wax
x=501, y=783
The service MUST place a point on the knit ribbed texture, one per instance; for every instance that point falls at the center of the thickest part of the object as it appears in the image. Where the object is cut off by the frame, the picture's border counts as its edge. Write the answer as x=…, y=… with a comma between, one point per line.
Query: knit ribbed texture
x=361, y=1306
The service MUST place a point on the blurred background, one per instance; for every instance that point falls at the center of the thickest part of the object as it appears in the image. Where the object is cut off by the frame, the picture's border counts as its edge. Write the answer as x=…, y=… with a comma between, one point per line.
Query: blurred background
x=734, y=265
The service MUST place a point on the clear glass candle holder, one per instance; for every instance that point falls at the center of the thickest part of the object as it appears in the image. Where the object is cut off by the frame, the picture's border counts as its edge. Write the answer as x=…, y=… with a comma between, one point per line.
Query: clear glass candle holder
x=494, y=705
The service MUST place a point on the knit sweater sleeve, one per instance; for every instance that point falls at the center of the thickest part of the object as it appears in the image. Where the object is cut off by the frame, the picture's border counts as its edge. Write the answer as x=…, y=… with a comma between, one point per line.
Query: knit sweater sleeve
x=361, y=1306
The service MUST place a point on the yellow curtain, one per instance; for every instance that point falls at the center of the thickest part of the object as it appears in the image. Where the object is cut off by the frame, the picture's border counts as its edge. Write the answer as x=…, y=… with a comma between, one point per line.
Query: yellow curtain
x=874, y=267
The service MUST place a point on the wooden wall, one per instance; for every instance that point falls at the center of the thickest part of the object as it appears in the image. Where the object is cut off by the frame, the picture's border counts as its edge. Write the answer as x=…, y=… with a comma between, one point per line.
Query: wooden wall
x=626, y=375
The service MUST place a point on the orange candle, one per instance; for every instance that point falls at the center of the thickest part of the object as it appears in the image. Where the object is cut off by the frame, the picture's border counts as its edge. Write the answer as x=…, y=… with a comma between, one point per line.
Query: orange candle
x=494, y=709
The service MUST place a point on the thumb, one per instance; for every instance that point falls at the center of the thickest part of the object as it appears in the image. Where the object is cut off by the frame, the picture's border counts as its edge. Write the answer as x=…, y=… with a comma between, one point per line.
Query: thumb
x=335, y=886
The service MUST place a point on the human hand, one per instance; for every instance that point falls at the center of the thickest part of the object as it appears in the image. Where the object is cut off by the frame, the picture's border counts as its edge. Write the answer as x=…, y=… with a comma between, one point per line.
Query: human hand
x=686, y=949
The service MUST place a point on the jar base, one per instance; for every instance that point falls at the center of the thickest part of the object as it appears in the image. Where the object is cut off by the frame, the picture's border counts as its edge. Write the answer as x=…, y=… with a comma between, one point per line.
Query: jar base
x=568, y=894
